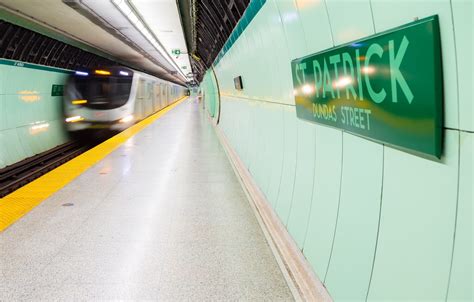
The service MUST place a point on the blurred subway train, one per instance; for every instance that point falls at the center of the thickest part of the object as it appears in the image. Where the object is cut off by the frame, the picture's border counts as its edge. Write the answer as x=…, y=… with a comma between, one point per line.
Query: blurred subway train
x=114, y=98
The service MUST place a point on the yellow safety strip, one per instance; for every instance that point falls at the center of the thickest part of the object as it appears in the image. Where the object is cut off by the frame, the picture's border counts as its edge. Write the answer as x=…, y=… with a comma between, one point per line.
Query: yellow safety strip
x=20, y=202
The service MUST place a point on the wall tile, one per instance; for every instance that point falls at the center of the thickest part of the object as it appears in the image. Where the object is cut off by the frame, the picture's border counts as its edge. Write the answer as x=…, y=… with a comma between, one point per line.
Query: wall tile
x=267, y=148
x=327, y=182
x=303, y=190
x=275, y=50
x=315, y=22
x=462, y=13
x=275, y=152
x=350, y=20
x=253, y=137
x=460, y=288
x=14, y=147
x=356, y=231
x=417, y=225
x=4, y=156
x=3, y=78
x=295, y=41
x=289, y=164
x=3, y=124
x=259, y=166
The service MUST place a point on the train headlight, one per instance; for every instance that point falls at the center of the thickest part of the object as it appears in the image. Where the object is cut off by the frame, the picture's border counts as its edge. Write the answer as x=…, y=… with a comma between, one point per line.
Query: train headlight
x=79, y=102
x=74, y=119
x=102, y=72
x=82, y=73
x=126, y=119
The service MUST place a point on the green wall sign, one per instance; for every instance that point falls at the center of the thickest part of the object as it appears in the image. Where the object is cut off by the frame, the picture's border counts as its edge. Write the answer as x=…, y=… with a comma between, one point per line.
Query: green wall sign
x=57, y=90
x=387, y=87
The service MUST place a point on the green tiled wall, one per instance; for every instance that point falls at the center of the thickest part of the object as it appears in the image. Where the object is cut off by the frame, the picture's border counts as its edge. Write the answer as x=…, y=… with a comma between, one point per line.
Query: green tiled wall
x=375, y=223
x=209, y=85
x=30, y=118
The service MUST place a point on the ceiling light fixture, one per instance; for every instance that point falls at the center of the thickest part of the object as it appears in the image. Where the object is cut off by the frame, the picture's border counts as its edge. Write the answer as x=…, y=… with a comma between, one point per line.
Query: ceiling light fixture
x=127, y=10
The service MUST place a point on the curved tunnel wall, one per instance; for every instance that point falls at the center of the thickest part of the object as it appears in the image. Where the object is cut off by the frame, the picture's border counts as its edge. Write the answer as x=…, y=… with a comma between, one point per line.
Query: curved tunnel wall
x=209, y=85
x=374, y=222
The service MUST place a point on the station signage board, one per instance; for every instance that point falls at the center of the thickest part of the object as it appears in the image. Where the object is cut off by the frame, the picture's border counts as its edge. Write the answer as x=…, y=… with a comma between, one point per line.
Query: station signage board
x=387, y=87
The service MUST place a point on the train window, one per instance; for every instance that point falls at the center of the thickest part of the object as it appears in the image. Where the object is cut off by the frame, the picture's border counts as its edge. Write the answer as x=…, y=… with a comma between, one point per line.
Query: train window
x=104, y=92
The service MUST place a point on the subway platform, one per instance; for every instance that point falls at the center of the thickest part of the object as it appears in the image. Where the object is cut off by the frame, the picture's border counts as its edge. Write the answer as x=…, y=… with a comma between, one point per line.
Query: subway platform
x=163, y=217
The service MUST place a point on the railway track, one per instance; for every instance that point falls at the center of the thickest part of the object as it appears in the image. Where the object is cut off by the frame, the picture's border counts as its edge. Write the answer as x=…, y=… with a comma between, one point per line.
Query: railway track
x=25, y=171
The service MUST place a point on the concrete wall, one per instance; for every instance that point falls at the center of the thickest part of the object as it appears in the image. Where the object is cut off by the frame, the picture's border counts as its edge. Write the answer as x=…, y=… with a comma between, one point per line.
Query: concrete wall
x=30, y=117
x=374, y=222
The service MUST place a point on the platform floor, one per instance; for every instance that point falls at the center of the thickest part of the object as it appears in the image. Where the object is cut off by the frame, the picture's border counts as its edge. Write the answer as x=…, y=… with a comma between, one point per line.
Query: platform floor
x=163, y=217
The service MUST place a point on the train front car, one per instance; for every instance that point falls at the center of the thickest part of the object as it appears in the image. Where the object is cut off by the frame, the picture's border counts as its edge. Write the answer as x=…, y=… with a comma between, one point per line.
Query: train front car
x=99, y=99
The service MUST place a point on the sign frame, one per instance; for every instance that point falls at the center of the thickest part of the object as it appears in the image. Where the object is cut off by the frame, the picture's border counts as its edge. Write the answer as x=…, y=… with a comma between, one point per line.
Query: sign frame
x=392, y=80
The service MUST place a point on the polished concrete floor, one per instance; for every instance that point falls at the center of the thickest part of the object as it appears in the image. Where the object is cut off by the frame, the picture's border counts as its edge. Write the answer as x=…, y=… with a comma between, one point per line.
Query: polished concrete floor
x=161, y=218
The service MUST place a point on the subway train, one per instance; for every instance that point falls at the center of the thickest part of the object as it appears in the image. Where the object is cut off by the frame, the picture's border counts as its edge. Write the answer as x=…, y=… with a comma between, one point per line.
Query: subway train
x=114, y=98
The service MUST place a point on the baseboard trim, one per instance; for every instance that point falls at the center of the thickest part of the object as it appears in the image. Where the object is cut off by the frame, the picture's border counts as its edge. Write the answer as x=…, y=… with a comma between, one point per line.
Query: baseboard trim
x=298, y=273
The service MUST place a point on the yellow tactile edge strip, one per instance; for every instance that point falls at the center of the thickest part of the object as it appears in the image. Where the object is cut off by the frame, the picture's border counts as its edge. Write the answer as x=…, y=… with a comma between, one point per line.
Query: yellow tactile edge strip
x=18, y=203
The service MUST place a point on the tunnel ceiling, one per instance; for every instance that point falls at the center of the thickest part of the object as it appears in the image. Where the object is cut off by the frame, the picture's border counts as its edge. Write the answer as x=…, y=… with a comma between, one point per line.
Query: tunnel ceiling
x=208, y=24
x=21, y=44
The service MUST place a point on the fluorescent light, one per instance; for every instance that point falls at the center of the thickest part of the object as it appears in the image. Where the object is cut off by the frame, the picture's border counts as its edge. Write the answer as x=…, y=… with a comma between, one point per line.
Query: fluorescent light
x=133, y=18
x=128, y=12
x=82, y=73
x=123, y=6
x=124, y=73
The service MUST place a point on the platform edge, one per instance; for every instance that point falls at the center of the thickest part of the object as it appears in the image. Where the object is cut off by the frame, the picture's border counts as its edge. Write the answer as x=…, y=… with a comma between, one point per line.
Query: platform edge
x=19, y=203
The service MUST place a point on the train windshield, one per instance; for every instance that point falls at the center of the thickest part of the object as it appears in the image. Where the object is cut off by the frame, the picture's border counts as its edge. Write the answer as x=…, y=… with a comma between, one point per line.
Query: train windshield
x=104, y=92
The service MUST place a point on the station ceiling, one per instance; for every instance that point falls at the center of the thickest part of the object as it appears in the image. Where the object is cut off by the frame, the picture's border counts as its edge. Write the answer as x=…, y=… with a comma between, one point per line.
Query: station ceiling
x=177, y=40
x=207, y=25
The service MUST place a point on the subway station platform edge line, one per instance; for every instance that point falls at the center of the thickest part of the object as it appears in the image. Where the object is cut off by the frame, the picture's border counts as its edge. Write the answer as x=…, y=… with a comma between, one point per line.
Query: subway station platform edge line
x=19, y=203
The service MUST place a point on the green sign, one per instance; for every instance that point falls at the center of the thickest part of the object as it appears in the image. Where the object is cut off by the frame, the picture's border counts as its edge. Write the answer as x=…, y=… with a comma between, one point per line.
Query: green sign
x=57, y=90
x=387, y=87
x=176, y=52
